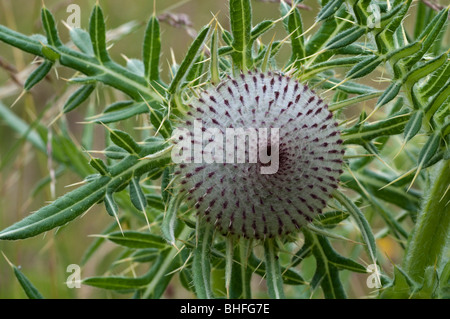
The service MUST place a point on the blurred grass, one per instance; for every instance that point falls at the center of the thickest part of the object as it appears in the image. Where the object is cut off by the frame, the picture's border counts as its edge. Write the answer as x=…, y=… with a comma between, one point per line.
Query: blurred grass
x=44, y=258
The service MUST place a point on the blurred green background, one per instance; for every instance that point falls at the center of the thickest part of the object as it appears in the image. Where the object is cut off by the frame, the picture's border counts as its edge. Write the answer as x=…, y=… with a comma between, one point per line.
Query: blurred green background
x=44, y=258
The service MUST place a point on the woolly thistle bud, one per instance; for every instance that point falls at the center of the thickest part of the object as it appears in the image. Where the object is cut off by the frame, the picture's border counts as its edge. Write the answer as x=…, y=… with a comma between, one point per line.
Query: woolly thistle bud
x=260, y=186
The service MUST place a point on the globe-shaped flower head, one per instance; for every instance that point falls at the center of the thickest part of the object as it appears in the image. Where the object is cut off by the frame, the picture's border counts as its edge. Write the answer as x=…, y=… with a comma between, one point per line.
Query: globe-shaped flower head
x=259, y=155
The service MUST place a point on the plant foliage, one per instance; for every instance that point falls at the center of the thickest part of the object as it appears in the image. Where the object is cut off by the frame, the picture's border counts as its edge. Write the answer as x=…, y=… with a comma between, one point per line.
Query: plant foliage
x=397, y=167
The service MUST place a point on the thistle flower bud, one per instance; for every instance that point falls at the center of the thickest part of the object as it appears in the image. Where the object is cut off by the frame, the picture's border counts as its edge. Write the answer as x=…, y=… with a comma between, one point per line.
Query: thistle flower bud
x=281, y=171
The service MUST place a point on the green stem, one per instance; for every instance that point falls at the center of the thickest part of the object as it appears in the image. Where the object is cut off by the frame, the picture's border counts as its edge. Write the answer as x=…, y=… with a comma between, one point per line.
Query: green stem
x=432, y=231
x=229, y=261
x=273, y=273
x=246, y=273
x=237, y=271
x=201, y=267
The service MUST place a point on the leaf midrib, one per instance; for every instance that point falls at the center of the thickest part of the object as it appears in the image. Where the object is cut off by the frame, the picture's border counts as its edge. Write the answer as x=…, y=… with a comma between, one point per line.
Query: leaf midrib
x=325, y=262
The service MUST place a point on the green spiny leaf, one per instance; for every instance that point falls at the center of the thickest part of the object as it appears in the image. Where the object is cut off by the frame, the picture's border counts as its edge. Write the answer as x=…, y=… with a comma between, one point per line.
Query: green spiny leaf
x=136, y=240
x=424, y=69
x=385, y=38
x=16, y=39
x=331, y=219
x=115, y=152
x=97, y=31
x=289, y=275
x=356, y=49
x=401, y=287
x=364, y=67
x=363, y=11
x=29, y=289
x=433, y=222
x=170, y=219
x=82, y=40
x=125, y=141
x=73, y=204
x=155, y=173
x=346, y=37
x=166, y=180
x=201, y=265
x=365, y=133
x=428, y=289
x=99, y=166
x=304, y=251
x=428, y=36
x=225, y=50
x=373, y=182
x=413, y=126
x=338, y=261
x=329, y=9
x=120, y=112
x=327, y=274
x=296, y=30
x=78, y=97
x=136, y=66
x=152, y=50
x=155, y=201
x=48, y=22
x=390, y=93
x=161, y=123
x=438, y=101
x=403, y=52
x=362, y=223
x=38, y=74
x=241, y=27
x=111, y=74
x=193, y=77
x=329, y=29
x=111, y=206
x=61, y=211
x=188, y=61
x=227, y=37
x=261, y=28
x=119, y=283
x=214, y=65
x=116, y=106
x=348, y=87
x=353, y=100
x=162, y=271
x=137, y=196
x=436, y=80
x=429, y=149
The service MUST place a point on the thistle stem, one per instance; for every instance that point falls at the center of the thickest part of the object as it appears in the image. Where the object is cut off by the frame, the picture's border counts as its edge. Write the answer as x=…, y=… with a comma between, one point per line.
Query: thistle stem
x=229, y=264
x=431, y=236
x=202, y=264
x=237, y=273
x=273, y=272
x=246, y=273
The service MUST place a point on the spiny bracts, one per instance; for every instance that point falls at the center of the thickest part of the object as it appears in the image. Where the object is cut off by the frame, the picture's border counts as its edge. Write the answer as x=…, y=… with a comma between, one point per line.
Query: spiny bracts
x=237, y=196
